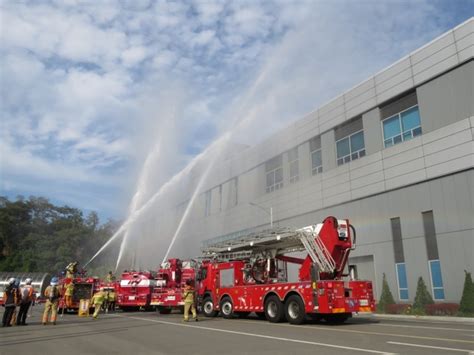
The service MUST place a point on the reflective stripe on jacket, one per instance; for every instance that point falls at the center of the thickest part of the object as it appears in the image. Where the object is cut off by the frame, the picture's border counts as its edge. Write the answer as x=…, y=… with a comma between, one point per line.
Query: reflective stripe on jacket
x=188, y=294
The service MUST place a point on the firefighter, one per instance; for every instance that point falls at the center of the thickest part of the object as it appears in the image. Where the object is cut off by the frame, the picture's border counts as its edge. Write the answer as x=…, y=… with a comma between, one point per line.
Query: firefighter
x=71, y=270
x=97, y=301
x=68, y=294
x=52, y=295
x=112, y=298
x=27, y=297
x=110, y=277
x=16, y=288
x=9, y=302
x=189, y=302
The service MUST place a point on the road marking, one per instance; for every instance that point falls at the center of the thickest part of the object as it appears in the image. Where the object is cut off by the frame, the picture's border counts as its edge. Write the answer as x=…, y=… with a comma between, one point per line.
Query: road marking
x=333, y=329
x=261, y=336
x=430, y=347
x=419, y=326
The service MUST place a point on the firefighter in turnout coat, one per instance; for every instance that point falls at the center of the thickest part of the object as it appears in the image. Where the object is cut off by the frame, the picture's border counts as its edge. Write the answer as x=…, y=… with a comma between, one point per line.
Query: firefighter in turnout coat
x=27, y=297
x=97, y=300
x=68, y=294
x=52, y=295
x=189, y=302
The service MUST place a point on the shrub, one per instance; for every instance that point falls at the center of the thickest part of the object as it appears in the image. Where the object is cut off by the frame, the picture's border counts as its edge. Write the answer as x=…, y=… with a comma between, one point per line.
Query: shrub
x=422, y=298
x=398, y=308
x=386, y=298
x=466, y=306
x=442, y=309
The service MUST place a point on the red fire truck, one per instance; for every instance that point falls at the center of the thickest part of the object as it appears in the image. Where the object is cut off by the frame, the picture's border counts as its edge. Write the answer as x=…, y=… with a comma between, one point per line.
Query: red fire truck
x=134, y=290
x=249, y=274
x=170, y=281
x=84, y=288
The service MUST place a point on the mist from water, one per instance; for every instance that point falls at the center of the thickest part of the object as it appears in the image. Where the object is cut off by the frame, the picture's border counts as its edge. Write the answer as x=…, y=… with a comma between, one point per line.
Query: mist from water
x=306, y=68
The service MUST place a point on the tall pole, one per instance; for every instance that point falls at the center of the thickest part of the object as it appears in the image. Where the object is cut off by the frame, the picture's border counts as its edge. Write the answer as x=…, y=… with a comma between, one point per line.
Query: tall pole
x=271, y=217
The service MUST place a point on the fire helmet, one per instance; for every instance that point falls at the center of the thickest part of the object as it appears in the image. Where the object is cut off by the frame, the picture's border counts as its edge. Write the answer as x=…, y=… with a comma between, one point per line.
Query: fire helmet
x=54, y=281
x=28, y=281
x=11, y=280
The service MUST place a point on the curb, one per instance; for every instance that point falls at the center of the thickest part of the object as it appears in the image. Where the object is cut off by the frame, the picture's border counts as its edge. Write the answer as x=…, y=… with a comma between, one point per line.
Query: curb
x=466, y=320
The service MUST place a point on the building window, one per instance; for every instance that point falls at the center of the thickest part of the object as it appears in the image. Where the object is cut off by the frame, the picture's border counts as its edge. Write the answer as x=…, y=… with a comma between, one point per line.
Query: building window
x=294, y=166
x=316, y=158
x=436, y=279
x=430, y=235
x=433, y=255
x=401, y=127
x=274, y=174
x=402, y=281
x=350, y=148
x=316, y=162
x=207, y=197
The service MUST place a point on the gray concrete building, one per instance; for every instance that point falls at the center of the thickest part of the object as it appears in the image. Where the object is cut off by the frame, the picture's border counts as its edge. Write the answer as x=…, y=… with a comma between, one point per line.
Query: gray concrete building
x=394, y=155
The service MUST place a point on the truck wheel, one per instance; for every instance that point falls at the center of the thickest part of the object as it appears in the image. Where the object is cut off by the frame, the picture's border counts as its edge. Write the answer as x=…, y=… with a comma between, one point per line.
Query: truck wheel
x=227, y=308
x=274, y=309
x=164, y=310
x=208, y=307
x=294, y=310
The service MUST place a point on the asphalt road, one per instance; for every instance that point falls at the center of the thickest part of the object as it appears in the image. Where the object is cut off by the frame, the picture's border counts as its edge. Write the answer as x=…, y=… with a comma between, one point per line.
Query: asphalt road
x=151, y=333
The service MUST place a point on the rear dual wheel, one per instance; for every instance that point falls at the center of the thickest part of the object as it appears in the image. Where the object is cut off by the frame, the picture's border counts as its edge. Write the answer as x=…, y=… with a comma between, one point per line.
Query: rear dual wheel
x=274, y=310
x=294, y=310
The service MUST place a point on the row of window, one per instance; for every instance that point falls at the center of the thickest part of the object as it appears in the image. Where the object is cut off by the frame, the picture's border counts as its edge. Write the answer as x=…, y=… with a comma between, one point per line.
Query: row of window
x=401, y=122
x=437, y=287
x=397, y=128
x=232, y=196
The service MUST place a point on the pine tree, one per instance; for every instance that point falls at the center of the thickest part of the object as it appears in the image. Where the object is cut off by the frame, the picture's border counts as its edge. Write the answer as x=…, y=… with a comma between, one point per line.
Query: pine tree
x=422, y=297
x=386, y=298
x=466, y=306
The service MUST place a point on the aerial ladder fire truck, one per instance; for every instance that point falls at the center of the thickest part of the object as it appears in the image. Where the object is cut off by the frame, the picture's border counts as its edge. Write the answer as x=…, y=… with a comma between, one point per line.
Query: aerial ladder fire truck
x=134, y=290
x=249, y=274
x=170, y=281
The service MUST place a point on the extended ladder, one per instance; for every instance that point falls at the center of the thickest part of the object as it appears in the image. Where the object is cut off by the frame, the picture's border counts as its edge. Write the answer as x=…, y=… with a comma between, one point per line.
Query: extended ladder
x=273, y=242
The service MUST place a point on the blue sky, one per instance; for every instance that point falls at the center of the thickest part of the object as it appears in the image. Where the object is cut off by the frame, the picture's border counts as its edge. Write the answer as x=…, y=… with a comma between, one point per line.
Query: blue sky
x=88, y=88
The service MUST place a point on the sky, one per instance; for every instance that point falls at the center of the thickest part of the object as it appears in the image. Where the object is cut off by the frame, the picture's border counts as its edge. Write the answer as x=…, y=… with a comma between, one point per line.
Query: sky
x=92, y=90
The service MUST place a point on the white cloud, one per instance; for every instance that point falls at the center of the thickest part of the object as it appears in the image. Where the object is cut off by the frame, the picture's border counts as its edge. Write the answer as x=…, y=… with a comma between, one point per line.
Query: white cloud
x=133, y=56
x=87, y=87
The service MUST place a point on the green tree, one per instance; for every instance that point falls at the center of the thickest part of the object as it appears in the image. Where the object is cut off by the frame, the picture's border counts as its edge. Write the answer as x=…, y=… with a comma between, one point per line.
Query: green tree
x=36, y=235
x=386, y=298
x=422, y=297
x=466, y=306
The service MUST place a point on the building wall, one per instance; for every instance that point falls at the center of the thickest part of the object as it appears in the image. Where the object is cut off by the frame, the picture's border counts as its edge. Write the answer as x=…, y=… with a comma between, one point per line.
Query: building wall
x=431, y=172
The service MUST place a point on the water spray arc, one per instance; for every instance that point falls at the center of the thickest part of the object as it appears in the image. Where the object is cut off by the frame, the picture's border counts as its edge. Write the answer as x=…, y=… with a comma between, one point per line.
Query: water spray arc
x=219, y=146
x=137, y=198
x=236, y=123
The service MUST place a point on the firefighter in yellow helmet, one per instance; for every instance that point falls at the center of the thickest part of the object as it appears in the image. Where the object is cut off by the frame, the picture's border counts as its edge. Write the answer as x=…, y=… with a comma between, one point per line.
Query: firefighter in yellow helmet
x=68, y=294
x=97, y=300
x=189, y=302
x=52, y=295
